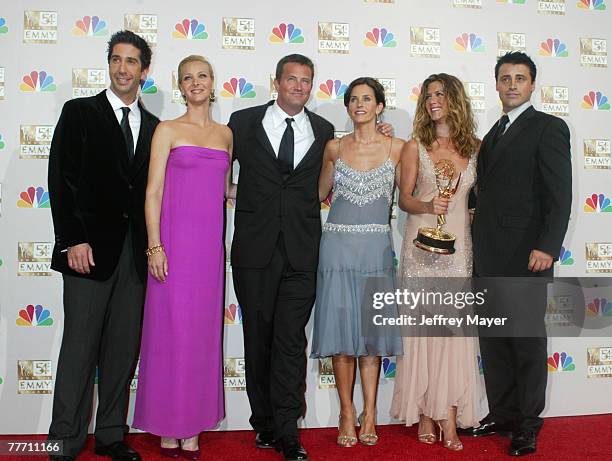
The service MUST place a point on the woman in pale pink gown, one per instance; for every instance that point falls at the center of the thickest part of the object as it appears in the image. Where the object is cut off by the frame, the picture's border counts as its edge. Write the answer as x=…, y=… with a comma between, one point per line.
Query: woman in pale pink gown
x=437, y=378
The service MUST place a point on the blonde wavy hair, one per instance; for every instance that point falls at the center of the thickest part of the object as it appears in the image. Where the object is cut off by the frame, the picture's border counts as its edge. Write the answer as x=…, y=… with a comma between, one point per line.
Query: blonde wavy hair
x=460, y=116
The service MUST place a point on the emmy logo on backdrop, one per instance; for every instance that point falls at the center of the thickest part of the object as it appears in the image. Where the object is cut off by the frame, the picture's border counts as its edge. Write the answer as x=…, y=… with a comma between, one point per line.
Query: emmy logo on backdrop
x=436, y=239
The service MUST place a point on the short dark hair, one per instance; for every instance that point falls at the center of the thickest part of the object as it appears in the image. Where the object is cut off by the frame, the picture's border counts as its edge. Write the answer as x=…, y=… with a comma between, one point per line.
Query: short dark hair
x=379, y=90
x=516, y=57
x=297, y=58
x=129, y=37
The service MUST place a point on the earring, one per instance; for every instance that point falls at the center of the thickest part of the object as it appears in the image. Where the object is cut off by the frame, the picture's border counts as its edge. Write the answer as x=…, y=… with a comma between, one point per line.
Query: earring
x=212, y=97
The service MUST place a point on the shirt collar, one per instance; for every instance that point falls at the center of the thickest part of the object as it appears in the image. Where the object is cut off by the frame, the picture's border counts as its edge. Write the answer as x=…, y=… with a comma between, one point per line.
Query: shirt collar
x=117, y=103
x=279, y=116
x=514, y=113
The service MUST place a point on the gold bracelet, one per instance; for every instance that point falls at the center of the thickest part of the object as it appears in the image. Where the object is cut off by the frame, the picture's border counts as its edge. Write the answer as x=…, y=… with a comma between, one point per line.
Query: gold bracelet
x=155, y=249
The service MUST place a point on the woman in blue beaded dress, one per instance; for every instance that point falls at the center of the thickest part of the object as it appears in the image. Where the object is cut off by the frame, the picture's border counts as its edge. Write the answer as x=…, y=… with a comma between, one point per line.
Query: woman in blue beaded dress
x=356, y=249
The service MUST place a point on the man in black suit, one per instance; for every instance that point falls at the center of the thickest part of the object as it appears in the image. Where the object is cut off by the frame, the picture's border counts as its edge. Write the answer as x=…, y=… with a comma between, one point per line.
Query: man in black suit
x=524, y=197
x=98, y=169
x=275, y=248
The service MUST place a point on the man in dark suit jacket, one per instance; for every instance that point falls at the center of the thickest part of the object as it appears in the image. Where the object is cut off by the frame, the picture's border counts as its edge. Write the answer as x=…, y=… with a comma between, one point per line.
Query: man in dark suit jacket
x=98, y=169
x=275, y=248
x=524, y=196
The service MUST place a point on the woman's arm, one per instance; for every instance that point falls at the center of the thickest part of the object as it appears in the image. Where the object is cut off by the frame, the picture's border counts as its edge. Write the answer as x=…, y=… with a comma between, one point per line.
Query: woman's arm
x=409, y=168
x=326, y=177
x=160, y=150
x=230, y=187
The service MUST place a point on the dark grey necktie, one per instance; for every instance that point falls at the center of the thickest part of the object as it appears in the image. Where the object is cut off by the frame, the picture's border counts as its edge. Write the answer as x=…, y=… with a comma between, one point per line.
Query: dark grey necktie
x=501, y=127
x=127, y=133
x=285, y=150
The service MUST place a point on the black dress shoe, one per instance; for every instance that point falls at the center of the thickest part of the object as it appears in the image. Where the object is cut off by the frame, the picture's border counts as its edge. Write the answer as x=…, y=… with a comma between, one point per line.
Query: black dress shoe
x=523, y=443
x=265, y=439
x=487, y=428
x=292, y=449
x=118, y=451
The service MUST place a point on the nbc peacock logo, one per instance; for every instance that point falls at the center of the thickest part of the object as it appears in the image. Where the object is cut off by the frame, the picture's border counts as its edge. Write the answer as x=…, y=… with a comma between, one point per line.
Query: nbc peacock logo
x=516, y=2
x=90, y=26
x=34, y=316
x=331, y=89
x=238, y=87
x=553, y=47
x=595, y=100
x=3, y=26
x=34, y=197
x=597, y=203
x=565, y=257
x=380, y=37
x=561, y=362
x=233, y=315
x=37, y=81
x=389, y=367
x=148, y=86
x=599, y=307
x=469, y=43
x=2, y=143
x=599, y=5
x=415, y=92
x=190, y=29
x=286, y=33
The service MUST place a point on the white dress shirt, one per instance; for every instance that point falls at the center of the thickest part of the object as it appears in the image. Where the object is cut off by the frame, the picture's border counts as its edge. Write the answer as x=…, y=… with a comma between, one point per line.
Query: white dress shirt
x=274, y=124
x=514, y=113
x=133, y=116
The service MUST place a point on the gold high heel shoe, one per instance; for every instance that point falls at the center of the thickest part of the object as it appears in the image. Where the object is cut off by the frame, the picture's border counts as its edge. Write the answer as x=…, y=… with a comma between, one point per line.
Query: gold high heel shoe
x=427, y=438
x=367, y=439
x=453, y=445
x=345, y=441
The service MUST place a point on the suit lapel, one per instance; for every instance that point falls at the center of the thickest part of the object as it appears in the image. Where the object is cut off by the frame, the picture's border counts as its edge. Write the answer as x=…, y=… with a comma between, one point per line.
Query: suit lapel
x=140, y=153
x=485, y=151
x=260, y=132
x=117, y=140
x=495, y=153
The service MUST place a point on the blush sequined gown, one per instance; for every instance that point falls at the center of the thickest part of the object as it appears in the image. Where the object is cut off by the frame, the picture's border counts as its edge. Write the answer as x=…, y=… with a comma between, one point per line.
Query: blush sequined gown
x=436, y=373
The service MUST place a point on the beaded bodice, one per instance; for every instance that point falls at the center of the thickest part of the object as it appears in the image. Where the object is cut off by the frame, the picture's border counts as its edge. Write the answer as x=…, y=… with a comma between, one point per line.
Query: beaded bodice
x=361, y=199
x=363, y=187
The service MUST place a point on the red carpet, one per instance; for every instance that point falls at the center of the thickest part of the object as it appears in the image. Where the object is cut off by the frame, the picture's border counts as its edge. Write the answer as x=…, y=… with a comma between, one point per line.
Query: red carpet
x=561, y=439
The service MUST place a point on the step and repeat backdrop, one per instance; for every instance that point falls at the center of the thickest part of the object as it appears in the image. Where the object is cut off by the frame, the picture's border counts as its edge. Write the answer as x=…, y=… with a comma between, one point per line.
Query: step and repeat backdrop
x=55, y=50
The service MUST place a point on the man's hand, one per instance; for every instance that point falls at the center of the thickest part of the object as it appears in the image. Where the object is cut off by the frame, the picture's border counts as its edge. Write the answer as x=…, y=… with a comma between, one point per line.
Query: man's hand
x=539, y=261
x=80, y=257
x=385, y=128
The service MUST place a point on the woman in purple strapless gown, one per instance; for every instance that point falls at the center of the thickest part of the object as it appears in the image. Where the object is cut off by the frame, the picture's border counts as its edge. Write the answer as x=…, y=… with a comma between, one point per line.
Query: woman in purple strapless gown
x=180, y=388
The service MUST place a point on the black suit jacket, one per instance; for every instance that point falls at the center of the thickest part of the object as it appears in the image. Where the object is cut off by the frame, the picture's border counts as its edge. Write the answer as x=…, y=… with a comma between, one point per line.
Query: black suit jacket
x=268, y=204
x=95, y=192
x=524, y=194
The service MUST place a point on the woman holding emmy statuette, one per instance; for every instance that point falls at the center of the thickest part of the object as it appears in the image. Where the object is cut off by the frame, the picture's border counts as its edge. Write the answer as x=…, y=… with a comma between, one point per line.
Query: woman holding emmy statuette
x=180, y=386
x=437, y=378
x=356, y=248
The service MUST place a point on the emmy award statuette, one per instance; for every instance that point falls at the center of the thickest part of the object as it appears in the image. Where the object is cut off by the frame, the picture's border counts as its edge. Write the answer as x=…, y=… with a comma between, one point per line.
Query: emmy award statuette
x=436, y=239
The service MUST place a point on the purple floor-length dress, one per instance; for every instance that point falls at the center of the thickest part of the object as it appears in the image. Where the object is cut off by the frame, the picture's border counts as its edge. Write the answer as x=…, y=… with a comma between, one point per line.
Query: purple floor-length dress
x=180, y=383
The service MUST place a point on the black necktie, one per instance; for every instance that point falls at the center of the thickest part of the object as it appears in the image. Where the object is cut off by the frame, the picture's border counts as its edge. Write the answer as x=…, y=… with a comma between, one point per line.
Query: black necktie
x=127, y=133
x=501, y=127
x=285, y=150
